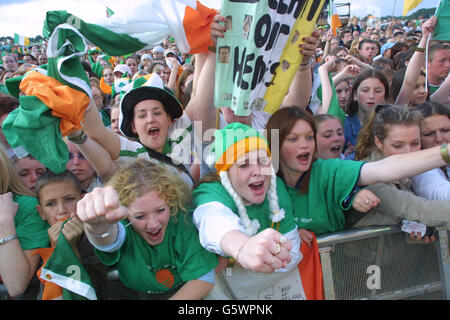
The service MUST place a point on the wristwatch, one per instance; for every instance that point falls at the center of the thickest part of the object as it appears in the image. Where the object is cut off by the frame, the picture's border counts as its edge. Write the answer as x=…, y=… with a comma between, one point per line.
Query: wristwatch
x=79, y=139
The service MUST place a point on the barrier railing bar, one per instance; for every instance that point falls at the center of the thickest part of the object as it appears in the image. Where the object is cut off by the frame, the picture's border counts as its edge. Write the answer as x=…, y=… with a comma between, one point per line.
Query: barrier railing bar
x=355, y=234
x=410, y=292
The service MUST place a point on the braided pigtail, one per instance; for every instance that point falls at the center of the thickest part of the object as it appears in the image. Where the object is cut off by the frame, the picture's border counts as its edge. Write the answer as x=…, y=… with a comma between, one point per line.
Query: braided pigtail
x=251, y=226
x=277, y=213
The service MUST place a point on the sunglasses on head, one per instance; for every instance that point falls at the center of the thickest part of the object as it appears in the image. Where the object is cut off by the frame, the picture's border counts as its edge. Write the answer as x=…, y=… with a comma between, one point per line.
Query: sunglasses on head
x=79, y=156
x=380, y=107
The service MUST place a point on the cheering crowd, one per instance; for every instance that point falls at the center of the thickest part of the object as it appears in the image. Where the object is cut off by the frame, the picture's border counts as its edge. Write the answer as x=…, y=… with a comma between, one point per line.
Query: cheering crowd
x=362, y=140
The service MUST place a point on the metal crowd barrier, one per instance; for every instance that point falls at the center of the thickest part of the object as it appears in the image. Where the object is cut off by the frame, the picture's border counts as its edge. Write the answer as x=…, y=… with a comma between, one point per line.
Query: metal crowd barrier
x=379, y=262
x=384, y=263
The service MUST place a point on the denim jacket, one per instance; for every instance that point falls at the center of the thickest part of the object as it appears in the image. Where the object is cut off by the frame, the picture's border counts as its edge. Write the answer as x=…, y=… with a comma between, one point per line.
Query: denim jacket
x=352, y=126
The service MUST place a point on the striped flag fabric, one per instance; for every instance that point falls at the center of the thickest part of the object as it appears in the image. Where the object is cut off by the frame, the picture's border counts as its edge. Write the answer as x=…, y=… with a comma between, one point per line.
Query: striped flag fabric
x=53, y=103
x=21, y=40
x=63, y=274
x=310, y=269
x=408, y=5
x=333, y=18
x=130, y=29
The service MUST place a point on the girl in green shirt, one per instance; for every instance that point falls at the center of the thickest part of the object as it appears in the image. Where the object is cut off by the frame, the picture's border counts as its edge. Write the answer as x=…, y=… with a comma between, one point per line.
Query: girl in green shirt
x=245, y=214
x=322, y=189
x=21, y=230
x=159, y=255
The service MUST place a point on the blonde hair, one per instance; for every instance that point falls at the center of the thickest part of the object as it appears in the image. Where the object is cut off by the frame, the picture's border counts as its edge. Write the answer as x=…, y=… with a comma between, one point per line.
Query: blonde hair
x=142, y=176
x=10, y=181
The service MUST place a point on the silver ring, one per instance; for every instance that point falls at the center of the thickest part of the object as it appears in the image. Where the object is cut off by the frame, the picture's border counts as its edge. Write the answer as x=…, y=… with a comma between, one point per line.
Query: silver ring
x=366, y=201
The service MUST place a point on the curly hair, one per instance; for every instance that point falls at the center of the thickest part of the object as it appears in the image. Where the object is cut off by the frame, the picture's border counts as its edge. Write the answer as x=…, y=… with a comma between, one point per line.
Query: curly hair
x=143, y=176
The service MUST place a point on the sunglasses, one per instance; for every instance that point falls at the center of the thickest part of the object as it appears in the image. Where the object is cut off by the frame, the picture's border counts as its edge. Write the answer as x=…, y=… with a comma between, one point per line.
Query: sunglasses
x=381, y=107
x=79, y=156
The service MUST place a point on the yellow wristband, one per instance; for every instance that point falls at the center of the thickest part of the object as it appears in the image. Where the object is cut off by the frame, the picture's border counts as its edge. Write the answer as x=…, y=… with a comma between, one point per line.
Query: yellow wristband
x=444, y=153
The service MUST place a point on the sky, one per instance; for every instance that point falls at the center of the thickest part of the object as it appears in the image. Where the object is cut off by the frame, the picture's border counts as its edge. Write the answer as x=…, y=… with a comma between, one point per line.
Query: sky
x=26, y=17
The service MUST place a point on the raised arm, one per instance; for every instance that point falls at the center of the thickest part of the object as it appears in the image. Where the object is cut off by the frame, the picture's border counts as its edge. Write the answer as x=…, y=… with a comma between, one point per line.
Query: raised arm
x=101, y=211
x=219, y=232
x=300, y=89
x=172, y=83
x=402, y=166
x=353, y=60
x=201, y=107
x=99, y=158
x=350, y=71
x=327, y=49
x=327, y=90
x=96, y=130
x=415, y=65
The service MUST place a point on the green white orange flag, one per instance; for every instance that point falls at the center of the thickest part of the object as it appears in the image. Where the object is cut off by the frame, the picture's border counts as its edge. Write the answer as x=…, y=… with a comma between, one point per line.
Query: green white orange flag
x=52, y=103
x=21, y=40
x=63, y=274
x=143, y=24
x=333, y=18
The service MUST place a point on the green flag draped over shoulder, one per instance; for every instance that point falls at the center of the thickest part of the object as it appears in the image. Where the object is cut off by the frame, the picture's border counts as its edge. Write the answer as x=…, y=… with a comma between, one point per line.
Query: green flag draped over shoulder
x=442, y=29
x=334, y=109
x=66, y=270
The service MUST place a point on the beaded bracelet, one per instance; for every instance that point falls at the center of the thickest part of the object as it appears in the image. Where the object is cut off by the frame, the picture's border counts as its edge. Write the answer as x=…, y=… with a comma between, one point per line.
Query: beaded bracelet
x=8, y=239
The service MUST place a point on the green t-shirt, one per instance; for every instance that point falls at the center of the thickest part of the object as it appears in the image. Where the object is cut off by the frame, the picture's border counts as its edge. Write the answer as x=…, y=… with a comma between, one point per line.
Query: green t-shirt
x=30, y=228
x=165, y=267
x=214, y=191
x=331, y=182
x=432, y=88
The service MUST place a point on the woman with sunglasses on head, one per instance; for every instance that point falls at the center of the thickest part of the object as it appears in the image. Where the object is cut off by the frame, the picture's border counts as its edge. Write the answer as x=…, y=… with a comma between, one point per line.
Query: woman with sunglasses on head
x=82, y=169
x=435, y=130
x=321, y=190
x=409, y=85
x=394, y=131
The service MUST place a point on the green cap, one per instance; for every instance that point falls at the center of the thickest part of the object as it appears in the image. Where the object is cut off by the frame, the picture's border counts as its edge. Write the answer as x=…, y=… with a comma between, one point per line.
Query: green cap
x=235, y=140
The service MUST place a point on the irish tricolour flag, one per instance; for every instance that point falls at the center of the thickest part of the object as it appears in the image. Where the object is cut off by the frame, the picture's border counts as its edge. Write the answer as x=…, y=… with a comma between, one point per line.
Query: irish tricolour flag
x=141, y=25
x=21, y=40
x=333, y=18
